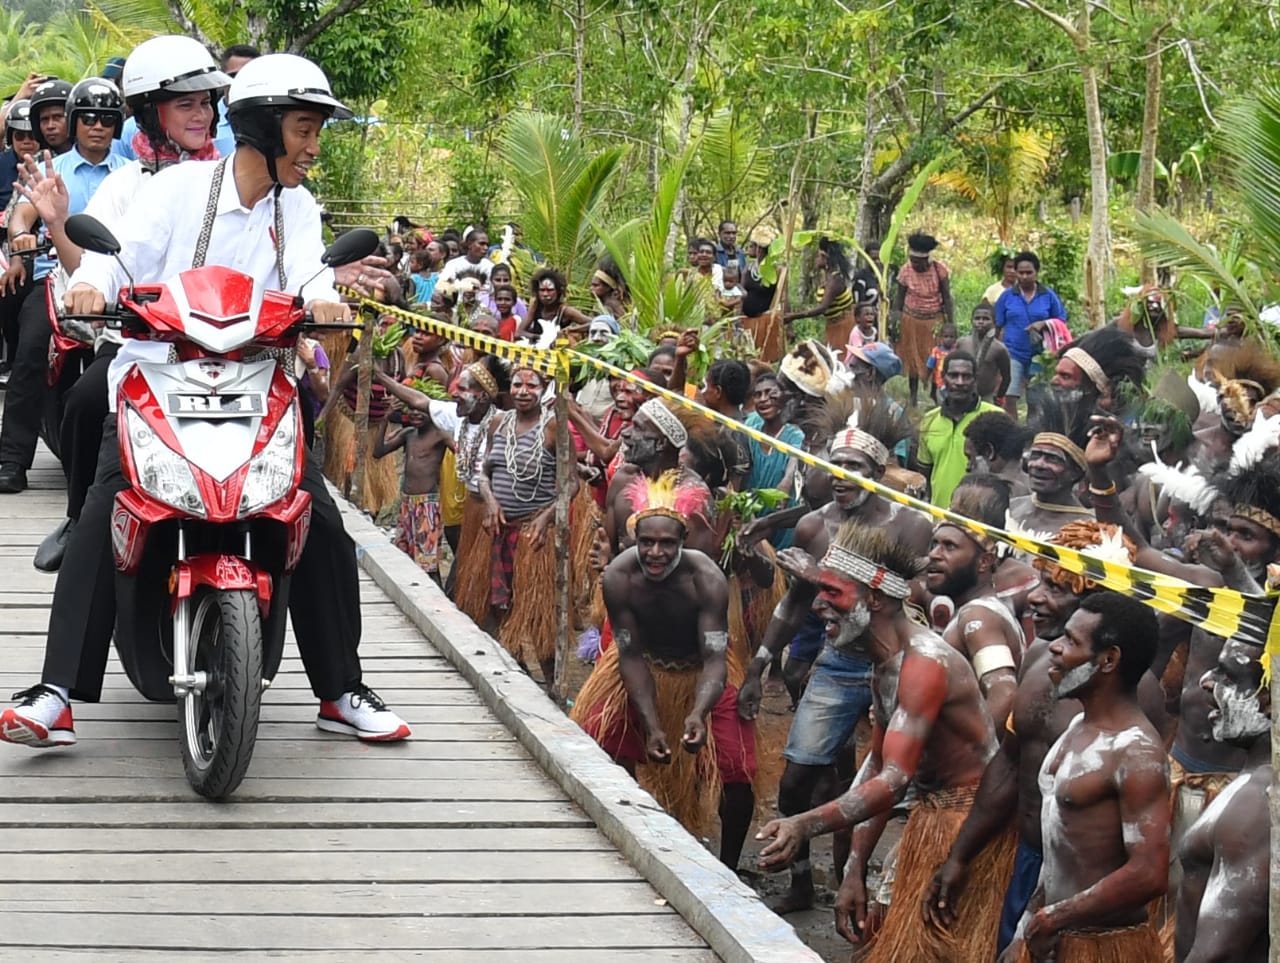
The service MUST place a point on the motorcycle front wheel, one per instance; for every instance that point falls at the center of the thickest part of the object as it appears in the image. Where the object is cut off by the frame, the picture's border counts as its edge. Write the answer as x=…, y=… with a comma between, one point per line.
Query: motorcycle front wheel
x=220, y=723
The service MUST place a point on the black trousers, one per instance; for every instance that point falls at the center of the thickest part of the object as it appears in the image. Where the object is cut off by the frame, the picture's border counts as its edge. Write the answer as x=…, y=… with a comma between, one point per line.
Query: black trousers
x=324, y=602
x=28, y=380
x=85, y=409
x=10, y=305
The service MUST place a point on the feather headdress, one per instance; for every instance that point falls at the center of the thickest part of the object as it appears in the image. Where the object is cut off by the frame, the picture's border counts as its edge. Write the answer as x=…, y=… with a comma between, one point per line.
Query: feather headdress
x=1106, y=543
x=673, y=494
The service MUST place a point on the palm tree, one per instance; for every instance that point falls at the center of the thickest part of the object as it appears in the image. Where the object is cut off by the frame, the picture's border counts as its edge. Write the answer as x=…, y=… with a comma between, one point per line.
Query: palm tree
x=561, y=185
x=1001, y=171
x=1248, y=273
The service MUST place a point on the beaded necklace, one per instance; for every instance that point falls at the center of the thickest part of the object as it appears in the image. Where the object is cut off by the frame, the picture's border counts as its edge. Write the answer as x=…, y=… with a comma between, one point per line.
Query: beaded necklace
x=531, y=471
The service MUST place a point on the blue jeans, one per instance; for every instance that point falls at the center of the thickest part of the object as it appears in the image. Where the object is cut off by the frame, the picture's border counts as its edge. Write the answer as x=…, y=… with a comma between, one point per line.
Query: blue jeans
x=834, y=702
x=1022, y=886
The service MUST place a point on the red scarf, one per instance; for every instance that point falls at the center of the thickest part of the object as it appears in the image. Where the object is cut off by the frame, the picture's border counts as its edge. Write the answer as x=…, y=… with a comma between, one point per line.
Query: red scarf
x=168, y=153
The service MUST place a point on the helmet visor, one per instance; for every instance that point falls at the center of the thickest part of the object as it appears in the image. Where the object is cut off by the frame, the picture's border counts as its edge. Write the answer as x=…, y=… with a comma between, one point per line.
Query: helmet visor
x=205, y=78
x=321, y=98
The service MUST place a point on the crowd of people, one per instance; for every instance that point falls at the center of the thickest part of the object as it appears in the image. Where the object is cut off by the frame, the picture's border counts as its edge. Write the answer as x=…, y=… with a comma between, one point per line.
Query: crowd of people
x=1085, y=780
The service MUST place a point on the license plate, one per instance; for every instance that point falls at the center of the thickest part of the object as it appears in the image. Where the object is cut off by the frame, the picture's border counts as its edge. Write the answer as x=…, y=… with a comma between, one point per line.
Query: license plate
x=250, y=404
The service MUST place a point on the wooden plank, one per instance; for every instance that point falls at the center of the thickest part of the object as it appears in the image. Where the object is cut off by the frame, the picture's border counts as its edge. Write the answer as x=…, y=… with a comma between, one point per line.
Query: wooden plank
x=32, y=954
x=181, y=933
x=81, y=766
x=471, y=732
x=420, y=676
x=275, y=750
x=417, y=714
x=379, y=898
x=250, y=869
x=53, y=789
x=398, y=698
x=460, y=839
x=319, y=814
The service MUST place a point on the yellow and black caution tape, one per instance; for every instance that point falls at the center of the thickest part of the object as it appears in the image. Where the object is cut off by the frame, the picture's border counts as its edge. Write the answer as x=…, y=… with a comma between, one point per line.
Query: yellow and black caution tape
x=1219, y=611
x=553, y=363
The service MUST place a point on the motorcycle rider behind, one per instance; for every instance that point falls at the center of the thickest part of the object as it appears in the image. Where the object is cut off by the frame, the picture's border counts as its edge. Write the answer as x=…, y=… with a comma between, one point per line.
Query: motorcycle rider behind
x=277, y=105
x=94, y=113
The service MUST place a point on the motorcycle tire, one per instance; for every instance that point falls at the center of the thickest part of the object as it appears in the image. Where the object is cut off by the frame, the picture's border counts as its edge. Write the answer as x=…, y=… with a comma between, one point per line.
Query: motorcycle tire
x=220, y=725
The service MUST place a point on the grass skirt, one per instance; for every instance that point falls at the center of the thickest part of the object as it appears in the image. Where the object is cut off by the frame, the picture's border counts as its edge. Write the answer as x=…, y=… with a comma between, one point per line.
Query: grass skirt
x=769, y=334
x=529, y=630
x=838, y=331
x=931, y=829
x=473, y=562
x=916, y=341
x=689, y=788
x=1133, y=944
x=381, y=486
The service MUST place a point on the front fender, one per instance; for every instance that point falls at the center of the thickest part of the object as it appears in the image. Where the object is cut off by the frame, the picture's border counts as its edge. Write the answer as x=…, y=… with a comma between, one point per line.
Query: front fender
x=223, y=572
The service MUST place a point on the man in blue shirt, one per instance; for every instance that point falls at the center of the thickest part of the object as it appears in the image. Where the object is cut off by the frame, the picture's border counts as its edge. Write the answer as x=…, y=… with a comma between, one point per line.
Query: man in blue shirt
x=95, y=113
x=727, y=250
x=1021, y=313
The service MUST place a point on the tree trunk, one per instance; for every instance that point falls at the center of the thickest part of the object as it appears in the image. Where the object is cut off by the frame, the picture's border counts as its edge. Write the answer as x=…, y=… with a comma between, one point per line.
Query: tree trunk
x=1146, y=195
x=566, y=465
x=364, y=386
x=864, y=224
x=579, y=21
x=1097, y=259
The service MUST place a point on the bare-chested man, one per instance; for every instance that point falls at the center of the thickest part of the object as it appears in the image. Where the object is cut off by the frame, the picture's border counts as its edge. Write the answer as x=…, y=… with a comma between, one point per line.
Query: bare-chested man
x=990, y=356
x=838, y=693
x=983, y=629
x=420, y=524
x=1236, y=553
x=667, y=672
x=1010, y=788
x=930, y=726
x=1104, y=817
x=1222, y=904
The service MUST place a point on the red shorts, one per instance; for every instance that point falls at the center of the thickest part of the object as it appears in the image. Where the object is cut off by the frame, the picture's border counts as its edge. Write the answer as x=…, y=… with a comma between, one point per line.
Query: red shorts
x=735, y=738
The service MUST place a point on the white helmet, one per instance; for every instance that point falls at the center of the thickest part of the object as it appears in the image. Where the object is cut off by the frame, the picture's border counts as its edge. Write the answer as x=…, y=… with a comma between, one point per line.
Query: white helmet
x=283, y=82
x=169, y=65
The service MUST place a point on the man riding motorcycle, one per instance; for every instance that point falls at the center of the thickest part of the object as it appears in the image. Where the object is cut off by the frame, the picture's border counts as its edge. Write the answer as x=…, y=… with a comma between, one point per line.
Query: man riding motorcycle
x=265, y=225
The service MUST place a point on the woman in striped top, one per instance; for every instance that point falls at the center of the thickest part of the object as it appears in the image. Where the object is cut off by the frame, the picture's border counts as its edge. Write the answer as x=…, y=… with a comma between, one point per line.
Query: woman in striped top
x=835, y=296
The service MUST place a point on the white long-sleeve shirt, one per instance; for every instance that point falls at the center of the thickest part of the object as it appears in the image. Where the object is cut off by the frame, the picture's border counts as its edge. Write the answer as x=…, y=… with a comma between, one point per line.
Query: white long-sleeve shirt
x=158, y=238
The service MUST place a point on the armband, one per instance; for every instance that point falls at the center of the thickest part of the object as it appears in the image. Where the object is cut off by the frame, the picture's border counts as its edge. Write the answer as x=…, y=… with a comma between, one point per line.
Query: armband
x=763, y=654
x=716, y=641
x=991, y=658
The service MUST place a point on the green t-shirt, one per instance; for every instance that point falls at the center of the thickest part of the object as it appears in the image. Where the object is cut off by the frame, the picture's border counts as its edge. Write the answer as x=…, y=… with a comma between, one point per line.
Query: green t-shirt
x=941, y=450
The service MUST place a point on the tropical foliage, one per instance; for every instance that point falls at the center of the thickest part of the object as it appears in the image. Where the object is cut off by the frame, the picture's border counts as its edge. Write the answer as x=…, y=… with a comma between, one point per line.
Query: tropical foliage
x=1246, y=271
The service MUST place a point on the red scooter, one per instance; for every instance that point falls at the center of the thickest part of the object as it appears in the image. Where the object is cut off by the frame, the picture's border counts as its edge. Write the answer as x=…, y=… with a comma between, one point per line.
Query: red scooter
x=213, y=520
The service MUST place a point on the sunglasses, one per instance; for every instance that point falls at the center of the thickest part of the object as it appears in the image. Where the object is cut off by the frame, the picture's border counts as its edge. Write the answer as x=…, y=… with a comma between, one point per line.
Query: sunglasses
x=92, y=118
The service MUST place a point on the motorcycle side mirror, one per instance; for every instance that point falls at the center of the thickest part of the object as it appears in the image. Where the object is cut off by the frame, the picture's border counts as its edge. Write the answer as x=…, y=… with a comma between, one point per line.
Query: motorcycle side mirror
x=354, y=245
x=91, y=234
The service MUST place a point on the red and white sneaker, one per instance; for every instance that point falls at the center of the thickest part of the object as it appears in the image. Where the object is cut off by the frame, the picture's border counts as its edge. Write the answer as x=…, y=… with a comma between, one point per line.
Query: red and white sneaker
x=42, y=718
x=362, y=714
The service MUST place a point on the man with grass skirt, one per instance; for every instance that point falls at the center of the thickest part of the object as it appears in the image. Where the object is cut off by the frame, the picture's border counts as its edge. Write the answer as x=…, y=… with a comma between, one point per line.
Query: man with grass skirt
x=931, y=727
x=665, y=693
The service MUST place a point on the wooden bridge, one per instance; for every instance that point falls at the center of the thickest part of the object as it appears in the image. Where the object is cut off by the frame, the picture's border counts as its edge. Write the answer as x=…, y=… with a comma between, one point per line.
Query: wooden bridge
x=452, y=846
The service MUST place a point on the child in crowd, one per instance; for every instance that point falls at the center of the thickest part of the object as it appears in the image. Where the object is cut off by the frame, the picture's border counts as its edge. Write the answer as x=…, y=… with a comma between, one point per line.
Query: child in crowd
x=946, y=343
x=504, y=306
x=729, y=289
x=419, y=524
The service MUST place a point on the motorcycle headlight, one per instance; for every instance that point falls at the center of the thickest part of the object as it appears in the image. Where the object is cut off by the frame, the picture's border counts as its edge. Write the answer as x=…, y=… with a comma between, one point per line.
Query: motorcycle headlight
x=162, y=472
x=270, y=476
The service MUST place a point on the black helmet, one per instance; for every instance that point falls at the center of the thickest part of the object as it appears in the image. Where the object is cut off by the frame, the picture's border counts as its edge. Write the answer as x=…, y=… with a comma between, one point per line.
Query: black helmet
x=19, y=119
x=97, y=96
x=50, y=92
